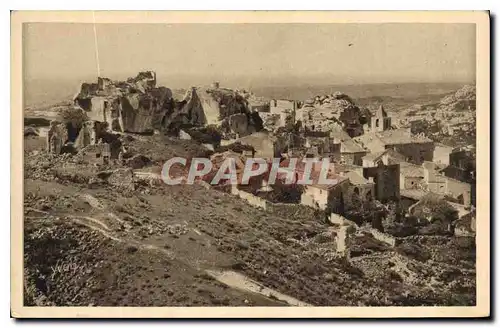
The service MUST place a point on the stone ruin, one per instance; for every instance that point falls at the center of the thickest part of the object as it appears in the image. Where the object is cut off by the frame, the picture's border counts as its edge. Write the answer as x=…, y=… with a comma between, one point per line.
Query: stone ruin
x=329, y=111
x=226, y=109
x=137, y=105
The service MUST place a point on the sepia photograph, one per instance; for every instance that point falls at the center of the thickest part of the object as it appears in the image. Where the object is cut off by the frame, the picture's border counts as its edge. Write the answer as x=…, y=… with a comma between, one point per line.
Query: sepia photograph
x=250, y=164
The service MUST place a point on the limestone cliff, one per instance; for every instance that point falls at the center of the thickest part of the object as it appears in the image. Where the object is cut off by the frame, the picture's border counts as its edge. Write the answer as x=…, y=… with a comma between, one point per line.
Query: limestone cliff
x=220, y=107
x=335, y=109
x=135, y=105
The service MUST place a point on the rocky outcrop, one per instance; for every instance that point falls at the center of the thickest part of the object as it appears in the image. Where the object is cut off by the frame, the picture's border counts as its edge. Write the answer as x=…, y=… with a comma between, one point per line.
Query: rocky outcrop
x=464, y=97
x=135, y=105
x=336, y=109
x=224, y=108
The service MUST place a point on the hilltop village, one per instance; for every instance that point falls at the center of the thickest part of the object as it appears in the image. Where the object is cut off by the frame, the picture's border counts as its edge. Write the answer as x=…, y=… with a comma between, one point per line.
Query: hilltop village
x=374, y=161
x=392, y=184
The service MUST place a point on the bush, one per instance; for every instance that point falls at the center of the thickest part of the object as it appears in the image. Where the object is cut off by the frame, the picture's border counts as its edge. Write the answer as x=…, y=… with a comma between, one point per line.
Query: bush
x=438, y=208
x=413, y=251
x=393, y=275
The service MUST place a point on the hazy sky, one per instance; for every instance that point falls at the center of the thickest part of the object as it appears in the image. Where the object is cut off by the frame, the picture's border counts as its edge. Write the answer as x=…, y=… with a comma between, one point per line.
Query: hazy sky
x=264, y=52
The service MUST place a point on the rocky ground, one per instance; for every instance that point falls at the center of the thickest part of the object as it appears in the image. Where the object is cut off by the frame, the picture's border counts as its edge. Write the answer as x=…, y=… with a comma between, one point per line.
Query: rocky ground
x=93, y=240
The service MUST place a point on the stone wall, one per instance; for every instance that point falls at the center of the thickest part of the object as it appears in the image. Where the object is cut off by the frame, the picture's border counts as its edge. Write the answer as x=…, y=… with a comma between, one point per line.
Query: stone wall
x=251, y=199
x=459, y=189
x=410, y=182
x=415, y=153
x=387, y=180
x=383, y=237
x=281, y=105
x=353, y=158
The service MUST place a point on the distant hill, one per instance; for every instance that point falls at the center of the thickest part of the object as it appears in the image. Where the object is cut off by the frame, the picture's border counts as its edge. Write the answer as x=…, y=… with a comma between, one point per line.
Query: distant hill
x=393, y=91
x=45, y=91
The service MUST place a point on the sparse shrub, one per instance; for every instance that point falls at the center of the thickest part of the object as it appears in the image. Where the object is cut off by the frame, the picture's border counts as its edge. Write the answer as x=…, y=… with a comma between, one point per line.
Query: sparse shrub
x=413, y=251
x=131, y=249
x=393, y=275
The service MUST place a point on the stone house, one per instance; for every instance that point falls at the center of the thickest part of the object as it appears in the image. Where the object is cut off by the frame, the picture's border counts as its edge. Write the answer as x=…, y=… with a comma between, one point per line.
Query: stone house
x=386, y=157
x=386, y=179
x=415, y=148
x=266, y=145
x=427, y=179
x=351, y=153
x=462, y=167
x=325, y=147
x=442, y=154
x=326, y=197
x=411, y=176
x=97, y=154
x=360, y=188
x=441, y=184
x=90, y=133
x=282, y=105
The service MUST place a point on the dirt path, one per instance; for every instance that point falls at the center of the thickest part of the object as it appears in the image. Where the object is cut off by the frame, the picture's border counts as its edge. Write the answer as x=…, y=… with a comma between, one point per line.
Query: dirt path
x=229, y=278
x=240, y=281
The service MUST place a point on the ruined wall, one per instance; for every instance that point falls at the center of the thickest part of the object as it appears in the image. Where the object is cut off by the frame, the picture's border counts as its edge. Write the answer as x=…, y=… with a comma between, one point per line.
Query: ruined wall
x=364, y=192
x=383, y=237
x=87, y=135
x=341, y=240
x=56, y=137
x=461, y=159
x=137, y=113
x=251, y=199
x=240, y=124
x=334, y=151
x=87, y=90
x=97, y=110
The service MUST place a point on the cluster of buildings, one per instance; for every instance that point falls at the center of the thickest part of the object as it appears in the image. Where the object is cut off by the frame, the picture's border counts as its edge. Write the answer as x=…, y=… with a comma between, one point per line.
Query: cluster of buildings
x=370, y=158
x=381, y=163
